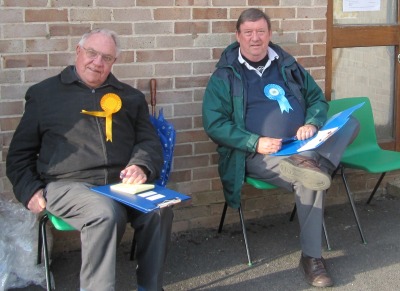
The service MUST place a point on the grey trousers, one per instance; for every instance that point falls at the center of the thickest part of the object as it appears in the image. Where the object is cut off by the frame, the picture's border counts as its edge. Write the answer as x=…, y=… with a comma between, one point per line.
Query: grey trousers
x=309, y=203
x=101, y=222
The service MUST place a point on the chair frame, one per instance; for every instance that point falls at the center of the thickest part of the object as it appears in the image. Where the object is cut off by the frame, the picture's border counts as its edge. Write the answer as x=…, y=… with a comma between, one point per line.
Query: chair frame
x=243, y=226
x=42, y=242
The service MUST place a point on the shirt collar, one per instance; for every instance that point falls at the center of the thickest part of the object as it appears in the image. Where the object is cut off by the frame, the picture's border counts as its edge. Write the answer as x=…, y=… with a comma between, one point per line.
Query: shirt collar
x=272, y=55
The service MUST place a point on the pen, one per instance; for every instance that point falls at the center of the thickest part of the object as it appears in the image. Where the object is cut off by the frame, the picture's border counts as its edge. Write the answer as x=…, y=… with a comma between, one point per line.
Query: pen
x=289, y=139
x=121, y=175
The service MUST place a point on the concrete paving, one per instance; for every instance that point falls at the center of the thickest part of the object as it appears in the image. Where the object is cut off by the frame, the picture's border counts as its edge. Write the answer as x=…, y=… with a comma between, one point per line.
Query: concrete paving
x=205, y=260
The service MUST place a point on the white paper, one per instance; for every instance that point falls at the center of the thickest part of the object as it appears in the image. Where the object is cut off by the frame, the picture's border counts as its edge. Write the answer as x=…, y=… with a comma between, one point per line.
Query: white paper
x=322, y=136
x=155, y=197
x=361, y=5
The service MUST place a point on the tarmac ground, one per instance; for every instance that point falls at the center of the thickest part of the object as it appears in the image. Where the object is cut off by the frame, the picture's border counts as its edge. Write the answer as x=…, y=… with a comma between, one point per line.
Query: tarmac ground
x=205, y=260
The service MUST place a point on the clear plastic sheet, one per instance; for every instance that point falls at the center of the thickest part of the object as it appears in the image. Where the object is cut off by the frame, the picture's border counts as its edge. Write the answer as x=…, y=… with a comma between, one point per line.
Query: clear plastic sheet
x=18, y=247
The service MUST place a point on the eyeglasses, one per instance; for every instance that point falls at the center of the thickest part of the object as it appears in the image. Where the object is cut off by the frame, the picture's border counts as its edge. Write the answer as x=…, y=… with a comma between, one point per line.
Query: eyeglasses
x=92, y=54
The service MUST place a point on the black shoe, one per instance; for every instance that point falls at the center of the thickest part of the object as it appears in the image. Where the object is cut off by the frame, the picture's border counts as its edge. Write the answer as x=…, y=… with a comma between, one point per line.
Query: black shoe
x=314, y=270
x=306, y=171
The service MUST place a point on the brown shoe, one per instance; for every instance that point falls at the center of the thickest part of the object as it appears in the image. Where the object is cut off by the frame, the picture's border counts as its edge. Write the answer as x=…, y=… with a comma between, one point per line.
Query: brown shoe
x=315, y=272
x=306, y=171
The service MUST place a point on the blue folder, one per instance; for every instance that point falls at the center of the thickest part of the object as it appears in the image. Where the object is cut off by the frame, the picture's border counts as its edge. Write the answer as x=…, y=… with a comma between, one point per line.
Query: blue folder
x=146, y=201
x=331, y=126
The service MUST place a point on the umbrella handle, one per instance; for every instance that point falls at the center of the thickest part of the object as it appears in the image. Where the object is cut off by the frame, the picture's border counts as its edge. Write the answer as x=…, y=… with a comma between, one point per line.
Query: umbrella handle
x=153, y=86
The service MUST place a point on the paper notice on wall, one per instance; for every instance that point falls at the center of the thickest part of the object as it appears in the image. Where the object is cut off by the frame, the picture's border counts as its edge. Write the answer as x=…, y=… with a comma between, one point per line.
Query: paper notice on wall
x=361, y=5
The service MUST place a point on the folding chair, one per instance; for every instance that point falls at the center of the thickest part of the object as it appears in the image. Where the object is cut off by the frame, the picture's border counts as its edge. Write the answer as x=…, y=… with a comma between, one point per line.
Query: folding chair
x=58, y=224
x=258, y=184
x=364, y=153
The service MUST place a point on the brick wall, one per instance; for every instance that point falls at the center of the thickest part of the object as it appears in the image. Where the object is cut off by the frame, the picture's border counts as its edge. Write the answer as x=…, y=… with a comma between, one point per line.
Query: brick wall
x=177, y=42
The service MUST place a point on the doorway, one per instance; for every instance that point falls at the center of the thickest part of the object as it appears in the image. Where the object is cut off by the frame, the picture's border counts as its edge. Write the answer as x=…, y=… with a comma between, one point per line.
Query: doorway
x=363, y=40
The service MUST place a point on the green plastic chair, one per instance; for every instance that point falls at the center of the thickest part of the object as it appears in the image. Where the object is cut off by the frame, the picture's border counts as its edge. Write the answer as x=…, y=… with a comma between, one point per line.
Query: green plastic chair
x=58, y=224
x=365, y=153
x=258, y=184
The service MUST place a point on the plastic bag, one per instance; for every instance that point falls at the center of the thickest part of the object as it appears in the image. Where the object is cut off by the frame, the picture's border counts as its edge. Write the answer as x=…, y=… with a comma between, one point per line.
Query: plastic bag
x=18, y=248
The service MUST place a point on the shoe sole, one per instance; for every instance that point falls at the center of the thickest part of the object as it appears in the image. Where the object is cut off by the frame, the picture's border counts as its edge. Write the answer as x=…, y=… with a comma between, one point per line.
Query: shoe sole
x=310, y=179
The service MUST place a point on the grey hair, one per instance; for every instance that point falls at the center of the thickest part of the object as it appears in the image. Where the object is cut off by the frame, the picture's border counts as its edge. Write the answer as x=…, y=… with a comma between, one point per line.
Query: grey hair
x=104, y=31
x=252, y=14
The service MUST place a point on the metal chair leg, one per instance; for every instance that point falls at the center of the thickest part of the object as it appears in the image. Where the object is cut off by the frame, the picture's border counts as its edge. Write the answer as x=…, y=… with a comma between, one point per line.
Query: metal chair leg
x=221, y=222
x=353, y=206
x=133, y=247
x=328, y=244
x=245, y=236
x=43, y=239
x=293, y=213
x=376, y=187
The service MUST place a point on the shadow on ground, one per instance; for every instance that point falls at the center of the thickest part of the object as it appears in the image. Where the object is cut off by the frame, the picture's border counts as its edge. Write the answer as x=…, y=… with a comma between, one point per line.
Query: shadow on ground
x=205, y=260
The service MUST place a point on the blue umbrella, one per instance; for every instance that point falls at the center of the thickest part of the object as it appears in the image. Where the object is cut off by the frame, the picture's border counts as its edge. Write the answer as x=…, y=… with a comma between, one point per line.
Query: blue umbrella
x=166, y=133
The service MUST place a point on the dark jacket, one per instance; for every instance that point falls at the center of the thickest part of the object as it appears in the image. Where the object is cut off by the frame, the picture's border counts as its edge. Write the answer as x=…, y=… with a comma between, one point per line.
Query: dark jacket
x=55, y=141
x=224, y=109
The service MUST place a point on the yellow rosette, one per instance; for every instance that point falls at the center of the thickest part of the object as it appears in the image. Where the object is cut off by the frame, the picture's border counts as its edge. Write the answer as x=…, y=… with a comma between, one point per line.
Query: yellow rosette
x=110, y=103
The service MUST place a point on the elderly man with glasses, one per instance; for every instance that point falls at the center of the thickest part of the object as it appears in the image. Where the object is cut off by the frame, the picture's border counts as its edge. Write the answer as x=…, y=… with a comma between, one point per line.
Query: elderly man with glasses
x=81, y=128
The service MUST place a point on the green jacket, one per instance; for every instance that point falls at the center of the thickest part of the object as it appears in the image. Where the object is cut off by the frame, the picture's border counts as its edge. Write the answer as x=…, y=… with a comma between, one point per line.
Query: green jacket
x=223, y=113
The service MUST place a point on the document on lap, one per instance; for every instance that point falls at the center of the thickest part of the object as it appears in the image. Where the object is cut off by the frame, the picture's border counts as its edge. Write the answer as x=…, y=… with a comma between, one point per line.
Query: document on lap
x=131, y=188
x=330, y=128
x=144, y=200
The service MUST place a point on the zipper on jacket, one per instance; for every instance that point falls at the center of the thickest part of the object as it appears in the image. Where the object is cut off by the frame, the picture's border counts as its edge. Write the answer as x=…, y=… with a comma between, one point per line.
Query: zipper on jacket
x=103, y=146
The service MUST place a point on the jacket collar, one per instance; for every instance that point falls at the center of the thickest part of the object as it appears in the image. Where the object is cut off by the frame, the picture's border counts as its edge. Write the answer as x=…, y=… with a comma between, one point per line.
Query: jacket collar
x=69, y=76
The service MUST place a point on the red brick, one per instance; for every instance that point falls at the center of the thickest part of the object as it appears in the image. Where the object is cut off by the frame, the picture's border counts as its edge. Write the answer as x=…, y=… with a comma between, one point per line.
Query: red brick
x=61, y=59
x=204, y=147
x=9, y=123
x=190, y=82
x=191, y=136
x=11, y=108
x=154, y=55
x=224, y=26
x=46, y=15
x=171, y=13
x=92, y=14
x=210, y=13
x=182, y=123
x=25, y=61
x=309, y=62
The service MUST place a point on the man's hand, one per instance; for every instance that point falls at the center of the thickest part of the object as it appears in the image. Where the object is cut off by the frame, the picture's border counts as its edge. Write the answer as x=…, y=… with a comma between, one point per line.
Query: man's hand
x=37, y=203
x=133, y=175
x=306, y=131
x=268, y=145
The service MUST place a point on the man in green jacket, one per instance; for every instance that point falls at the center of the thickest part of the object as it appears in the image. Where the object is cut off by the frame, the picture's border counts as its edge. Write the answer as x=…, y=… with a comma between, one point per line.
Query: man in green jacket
x=258, y=97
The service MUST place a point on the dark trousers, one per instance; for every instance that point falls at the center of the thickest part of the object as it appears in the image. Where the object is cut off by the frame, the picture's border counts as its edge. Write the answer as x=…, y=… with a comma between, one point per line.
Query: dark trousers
x=309, y=203
x=101, y=222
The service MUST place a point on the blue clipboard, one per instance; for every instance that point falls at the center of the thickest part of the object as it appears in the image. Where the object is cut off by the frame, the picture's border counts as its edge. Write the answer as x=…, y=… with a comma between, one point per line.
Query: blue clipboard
x=330, y=128
x=146, y=201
